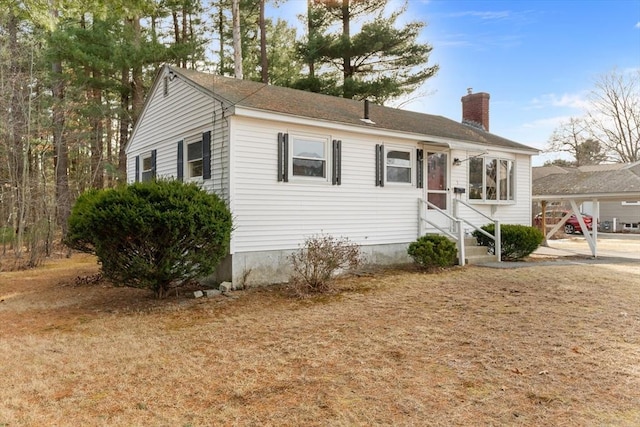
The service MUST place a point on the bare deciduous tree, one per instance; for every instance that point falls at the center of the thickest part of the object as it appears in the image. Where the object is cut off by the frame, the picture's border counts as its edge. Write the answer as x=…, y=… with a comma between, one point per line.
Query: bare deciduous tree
x=573, y=137
x=614, y=114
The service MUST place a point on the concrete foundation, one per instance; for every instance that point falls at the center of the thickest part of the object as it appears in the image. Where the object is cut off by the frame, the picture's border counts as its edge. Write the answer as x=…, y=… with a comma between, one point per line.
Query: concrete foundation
x=271, y=267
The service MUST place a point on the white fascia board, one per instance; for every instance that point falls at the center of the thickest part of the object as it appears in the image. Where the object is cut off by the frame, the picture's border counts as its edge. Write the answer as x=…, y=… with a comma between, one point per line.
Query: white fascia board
x=587, y=197
x=346, y=127
x=415, y=137
x=143, y=111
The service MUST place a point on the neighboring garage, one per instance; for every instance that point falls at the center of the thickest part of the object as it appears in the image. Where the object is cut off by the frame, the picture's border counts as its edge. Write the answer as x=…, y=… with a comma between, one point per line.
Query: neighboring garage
x=595, y=188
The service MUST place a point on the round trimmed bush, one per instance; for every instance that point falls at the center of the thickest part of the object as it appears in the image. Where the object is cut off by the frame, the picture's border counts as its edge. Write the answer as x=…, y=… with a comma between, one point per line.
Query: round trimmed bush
x=517, y=241
x=156, y=235
x=433, y=250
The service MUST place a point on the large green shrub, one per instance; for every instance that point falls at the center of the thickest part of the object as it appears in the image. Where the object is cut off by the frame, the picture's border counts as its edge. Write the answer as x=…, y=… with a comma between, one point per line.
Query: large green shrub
x=155, y=235
x=433, y=250
x=517, y=241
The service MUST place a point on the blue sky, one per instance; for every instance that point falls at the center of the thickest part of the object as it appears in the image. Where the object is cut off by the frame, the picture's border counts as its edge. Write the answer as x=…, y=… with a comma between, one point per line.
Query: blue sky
x=537, y=59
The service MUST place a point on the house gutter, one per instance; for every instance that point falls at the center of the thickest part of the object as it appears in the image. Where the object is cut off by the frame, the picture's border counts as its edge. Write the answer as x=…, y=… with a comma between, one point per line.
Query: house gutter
x=420, y=138
x=589, y=196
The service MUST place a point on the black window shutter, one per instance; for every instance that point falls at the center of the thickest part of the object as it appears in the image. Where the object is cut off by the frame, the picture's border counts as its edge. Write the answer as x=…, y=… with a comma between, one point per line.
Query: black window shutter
x=137, y=169
x=154, y=156
x=180, y=164
x=283, y=157
x=285, y=146
x=280, y=156
x=379, y=165
x=336, y=178
x=206, y=155
x=420, y=168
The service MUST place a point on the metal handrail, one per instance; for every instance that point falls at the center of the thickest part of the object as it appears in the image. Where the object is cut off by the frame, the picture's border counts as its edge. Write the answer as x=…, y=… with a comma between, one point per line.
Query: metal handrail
x=459, y=238
x=497, y=239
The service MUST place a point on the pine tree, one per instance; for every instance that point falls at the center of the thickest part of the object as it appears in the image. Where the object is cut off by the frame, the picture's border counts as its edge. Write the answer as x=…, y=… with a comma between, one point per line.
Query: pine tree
x=380, y=62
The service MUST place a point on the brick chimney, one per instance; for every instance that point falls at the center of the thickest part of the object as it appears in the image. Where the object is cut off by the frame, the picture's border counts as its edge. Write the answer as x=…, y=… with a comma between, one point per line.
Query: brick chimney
x=475, y=109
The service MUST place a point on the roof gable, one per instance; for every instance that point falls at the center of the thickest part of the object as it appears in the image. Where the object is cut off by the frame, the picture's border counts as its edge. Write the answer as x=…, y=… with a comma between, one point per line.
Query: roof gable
x=260, y=96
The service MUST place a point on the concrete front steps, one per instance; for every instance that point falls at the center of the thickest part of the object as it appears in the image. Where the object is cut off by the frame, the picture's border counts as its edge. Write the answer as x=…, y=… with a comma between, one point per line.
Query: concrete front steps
x=475, y=254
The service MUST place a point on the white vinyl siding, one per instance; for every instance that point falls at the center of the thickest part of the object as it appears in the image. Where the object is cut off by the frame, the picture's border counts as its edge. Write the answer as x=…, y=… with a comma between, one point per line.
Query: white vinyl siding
x=183, y=114
x=277, y=215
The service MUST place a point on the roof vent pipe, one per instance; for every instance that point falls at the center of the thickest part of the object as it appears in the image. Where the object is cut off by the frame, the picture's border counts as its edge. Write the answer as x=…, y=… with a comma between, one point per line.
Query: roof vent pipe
x=366, y=118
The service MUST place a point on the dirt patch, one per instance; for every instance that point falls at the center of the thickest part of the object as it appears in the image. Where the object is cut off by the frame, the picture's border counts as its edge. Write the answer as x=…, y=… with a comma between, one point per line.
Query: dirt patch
x=467, y=346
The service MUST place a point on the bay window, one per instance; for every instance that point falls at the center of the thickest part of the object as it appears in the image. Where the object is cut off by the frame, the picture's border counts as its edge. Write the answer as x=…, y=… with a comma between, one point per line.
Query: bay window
x=491, y=180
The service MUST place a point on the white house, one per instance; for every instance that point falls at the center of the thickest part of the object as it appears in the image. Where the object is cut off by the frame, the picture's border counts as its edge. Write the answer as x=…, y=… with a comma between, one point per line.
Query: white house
x=292, y=164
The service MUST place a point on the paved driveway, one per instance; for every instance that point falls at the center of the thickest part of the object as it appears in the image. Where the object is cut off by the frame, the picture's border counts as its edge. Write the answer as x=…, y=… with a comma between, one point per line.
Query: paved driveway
x=609, y=245
x=612, y=249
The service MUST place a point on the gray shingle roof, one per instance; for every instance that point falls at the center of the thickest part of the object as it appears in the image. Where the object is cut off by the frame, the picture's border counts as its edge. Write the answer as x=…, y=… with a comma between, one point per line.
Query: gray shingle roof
x=299, y=103
x=616, y=182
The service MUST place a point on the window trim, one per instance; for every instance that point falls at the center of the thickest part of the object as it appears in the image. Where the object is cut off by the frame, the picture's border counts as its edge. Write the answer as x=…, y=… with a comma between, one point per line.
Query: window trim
x=151, y=156
x=412, y=160
x=185, y=165
x=327, y=148
x=510, y=181
x=188, y=162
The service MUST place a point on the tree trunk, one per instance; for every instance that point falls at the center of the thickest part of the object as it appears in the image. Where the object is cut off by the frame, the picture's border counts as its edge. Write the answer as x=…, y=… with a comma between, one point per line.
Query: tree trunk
x=221, y=32
x=125, y=123
x=17, y=156
x=346, y=58
x=311, y=33
x=63, y=195
x=97, y=175
x=237, y=44
x=137, y=94
x=184, y=33
x=61, y=159
x=264, y=62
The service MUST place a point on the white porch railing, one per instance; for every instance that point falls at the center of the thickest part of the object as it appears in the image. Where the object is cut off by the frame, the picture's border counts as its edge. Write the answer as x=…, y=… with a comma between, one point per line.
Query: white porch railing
x=457, y=234
x=458, y=237
x=497, y=239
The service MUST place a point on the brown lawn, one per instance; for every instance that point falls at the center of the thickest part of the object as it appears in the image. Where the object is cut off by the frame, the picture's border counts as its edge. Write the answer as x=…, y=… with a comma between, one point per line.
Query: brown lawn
x=542, y=345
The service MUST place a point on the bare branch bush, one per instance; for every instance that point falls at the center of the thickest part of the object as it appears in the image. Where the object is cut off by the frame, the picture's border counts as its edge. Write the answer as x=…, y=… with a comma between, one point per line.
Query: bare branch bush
x=319, y=261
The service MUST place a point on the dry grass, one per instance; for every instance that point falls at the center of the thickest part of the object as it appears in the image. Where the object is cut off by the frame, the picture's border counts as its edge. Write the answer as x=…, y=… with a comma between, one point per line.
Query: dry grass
x=542, y=345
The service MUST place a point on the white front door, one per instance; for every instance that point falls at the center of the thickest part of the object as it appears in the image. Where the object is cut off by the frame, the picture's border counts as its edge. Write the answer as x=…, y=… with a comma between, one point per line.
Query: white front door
x=437, y=188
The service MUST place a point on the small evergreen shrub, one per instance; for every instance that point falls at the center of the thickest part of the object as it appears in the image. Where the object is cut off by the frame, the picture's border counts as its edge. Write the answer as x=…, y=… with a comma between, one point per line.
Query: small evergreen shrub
x=433, y=250
x=518, y=241
x=321, y=257
x=156, y=235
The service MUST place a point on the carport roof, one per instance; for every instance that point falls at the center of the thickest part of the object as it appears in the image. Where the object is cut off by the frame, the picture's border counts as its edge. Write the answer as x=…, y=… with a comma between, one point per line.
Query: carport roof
x=603, y=183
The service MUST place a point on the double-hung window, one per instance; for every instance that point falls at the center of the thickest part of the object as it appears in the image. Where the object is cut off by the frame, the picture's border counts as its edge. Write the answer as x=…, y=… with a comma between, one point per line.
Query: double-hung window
x=197, y=163
x=491, y=180
x=148, y=167
x=194, y=159
x=398, y=165
x=309, y=156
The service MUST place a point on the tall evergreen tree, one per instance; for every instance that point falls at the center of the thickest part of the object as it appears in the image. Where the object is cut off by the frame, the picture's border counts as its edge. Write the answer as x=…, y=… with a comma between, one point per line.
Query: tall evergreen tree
x=380, y=62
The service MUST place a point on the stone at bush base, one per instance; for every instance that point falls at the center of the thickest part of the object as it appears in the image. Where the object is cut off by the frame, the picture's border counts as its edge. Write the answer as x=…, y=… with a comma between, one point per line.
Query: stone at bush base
x=225, y=287
x=212, y=293
x=198, y=294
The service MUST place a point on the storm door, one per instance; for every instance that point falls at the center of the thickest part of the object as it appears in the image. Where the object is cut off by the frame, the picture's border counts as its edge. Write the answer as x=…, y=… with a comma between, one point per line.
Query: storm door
x=437, y=188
